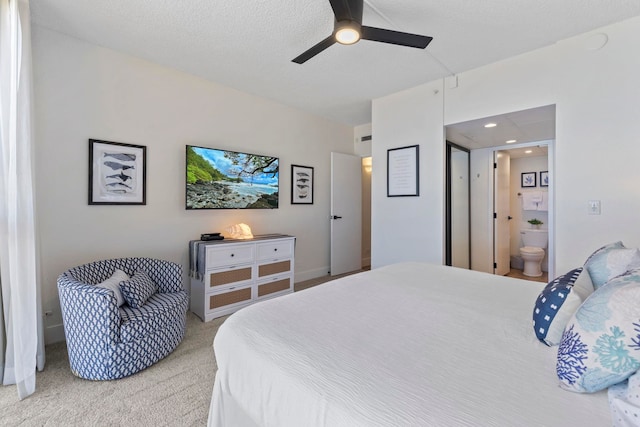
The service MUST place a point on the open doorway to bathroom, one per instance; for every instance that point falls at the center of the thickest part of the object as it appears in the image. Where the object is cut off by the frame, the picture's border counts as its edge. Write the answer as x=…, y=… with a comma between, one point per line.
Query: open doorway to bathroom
x=521, y=206
x=527, y=139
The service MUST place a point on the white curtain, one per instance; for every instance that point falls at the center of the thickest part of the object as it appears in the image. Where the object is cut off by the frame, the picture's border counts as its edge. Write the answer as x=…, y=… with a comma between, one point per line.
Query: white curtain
x=20, y=324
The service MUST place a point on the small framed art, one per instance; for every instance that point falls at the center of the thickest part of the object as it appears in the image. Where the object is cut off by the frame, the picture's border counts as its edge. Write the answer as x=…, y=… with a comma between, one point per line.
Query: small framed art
x=544, y=178
x=301, y=185
x=528, y=179
x=117, y=173
x=403, y=171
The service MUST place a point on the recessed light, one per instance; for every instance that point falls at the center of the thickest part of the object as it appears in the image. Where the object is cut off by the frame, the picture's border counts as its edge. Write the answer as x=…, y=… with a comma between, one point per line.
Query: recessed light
x=490, y=125
x=528, y=152
x=511, y=141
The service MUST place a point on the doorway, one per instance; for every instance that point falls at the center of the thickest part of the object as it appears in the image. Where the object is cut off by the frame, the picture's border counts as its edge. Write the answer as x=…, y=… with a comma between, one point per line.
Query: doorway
x=521, y=173
x=520, y=130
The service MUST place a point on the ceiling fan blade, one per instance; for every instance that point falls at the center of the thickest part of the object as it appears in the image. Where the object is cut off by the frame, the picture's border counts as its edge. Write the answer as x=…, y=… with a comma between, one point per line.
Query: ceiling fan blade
x=341, y=9
x=395, y=37
x=301, y=59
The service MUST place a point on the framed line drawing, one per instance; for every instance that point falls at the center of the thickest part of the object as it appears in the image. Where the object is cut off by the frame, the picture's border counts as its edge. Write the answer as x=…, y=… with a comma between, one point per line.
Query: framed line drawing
x=301, y=185
x=527, y=179
x=544, y=178
x=403, y=171
x=117, y=173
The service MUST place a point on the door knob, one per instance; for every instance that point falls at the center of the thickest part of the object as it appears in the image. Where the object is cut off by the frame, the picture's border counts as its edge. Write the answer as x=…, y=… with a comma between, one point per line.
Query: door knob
x=509, y=217
x=336, y=217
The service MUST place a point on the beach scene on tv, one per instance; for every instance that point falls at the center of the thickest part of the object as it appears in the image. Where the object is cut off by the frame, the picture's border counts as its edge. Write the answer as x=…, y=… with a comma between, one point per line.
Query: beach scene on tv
x=218, y=179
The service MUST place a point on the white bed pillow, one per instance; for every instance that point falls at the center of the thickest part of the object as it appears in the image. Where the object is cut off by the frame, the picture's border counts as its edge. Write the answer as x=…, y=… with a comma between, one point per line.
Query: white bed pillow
x=554, y=307
x=113, y=283
x=610, y=261
x=600, y=346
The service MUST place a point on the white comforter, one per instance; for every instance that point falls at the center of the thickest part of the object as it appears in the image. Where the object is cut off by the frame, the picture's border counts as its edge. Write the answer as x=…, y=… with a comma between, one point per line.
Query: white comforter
x=404, y=345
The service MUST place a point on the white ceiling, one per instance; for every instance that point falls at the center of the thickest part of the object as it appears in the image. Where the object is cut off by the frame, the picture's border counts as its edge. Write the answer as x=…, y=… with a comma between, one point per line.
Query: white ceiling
x=249, y=44
x=518, y=127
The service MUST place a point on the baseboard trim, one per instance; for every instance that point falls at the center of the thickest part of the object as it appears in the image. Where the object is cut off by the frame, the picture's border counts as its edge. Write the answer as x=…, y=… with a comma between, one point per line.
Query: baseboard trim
x=301, y=276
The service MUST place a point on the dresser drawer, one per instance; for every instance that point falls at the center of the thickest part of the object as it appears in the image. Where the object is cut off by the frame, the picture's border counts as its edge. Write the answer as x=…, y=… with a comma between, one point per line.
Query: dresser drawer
x=275, y=286
x=274, y=250
x=274, y=268
x=221, y=256
x=228, y=298
x=228, y=276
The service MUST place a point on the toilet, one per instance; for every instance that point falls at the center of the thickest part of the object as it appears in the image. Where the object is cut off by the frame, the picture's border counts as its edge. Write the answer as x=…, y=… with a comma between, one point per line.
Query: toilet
x=535, y=242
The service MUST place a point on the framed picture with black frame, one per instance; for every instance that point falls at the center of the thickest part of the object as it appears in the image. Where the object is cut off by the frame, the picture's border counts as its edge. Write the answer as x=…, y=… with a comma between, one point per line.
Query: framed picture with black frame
x=544, y=178
x=403, y=179
x=301, y=185
x=117, y=173
x=527, y=179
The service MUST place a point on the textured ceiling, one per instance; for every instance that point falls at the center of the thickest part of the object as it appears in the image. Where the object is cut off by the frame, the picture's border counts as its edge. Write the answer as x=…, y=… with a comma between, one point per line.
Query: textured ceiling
x=249, y=44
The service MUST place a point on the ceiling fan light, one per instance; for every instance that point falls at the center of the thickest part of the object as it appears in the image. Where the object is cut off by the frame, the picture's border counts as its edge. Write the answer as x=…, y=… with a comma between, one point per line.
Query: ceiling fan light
x=347, y=32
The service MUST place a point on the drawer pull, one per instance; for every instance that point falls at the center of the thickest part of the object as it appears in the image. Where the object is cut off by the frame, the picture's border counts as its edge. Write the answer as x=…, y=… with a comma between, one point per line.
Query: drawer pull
x=275, y=249
x=232, y=288
x=232, y=255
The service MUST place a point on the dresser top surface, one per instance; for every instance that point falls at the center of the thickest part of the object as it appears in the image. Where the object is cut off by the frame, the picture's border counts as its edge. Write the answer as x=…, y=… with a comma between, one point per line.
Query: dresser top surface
x=256, y=238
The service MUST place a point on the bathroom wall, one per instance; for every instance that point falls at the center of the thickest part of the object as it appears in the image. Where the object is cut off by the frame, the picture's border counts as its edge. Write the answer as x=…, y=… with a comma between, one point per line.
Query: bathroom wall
x=520, y=217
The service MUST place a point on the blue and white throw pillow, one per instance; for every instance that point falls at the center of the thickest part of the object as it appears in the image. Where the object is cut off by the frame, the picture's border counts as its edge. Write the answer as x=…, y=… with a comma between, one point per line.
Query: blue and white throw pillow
x=554, y=307
x=113, y=283
x=137, y=290
x=610, y=261
x=600, y=346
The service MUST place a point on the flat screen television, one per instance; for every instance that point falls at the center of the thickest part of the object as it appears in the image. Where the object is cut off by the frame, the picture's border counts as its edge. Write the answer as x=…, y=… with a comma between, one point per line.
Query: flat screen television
x=222, y=179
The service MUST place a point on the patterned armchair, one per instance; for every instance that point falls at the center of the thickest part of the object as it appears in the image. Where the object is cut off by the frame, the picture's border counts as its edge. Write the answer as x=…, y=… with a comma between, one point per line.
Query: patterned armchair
x=106, y=341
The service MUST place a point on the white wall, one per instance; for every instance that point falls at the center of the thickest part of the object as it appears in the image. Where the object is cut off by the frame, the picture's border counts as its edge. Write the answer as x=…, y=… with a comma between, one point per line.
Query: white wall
x=520, y=217
x=596, y=94
x=84, y=91
x=408, y=228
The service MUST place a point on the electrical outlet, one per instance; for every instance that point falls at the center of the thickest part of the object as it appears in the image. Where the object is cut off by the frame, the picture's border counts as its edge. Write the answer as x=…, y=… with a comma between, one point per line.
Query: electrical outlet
x=594, y=207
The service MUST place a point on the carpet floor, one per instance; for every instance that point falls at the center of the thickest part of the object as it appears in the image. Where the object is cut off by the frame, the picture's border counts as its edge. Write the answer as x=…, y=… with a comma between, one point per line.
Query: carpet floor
x=174, y=392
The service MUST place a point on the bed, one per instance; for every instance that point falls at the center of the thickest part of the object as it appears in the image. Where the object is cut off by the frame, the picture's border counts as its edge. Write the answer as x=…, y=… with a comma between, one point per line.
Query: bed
x=410, y=344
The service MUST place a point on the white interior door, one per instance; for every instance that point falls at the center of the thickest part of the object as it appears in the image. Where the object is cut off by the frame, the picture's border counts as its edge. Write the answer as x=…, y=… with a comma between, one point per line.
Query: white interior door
x=502, y=213
x=346, y=213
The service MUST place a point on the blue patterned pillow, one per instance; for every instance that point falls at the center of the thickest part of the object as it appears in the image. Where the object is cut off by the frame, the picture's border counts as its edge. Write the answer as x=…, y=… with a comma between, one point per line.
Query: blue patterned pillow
x=137, y=290
x=554, y=307
x=601, y=344
x=610, y=261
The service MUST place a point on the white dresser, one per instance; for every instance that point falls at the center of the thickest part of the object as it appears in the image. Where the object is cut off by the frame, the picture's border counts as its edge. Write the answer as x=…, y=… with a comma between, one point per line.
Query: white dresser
x=237, y=273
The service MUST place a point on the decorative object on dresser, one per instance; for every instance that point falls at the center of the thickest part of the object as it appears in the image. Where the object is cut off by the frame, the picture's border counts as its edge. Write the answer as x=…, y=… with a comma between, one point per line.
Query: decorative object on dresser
x=117, y=173
x=122, y=315
x=227, y=275
x=301, y=185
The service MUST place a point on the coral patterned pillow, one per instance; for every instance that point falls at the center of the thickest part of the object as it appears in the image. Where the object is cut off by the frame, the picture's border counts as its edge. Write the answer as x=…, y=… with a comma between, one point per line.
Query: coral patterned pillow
x=610, y=261
x=600, y=346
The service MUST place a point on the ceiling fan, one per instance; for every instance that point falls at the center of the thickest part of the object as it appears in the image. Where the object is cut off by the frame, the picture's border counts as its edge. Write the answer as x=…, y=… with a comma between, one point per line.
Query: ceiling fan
x=348, y=29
